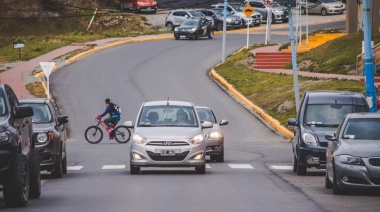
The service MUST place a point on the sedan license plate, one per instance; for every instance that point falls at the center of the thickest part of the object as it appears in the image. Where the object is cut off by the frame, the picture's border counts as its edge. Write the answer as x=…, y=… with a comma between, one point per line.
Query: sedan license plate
x=236, y=22
x=167, y=152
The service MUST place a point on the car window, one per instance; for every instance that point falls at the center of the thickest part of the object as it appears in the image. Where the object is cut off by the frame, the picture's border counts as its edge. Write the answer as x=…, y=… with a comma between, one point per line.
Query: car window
x=190, y=23
x=329, y=1
x=329, y=114
x=206, y=115
x=178, y=13
x=42, y=113
x=218, y=12
x=3, y=107
x=167, y=116
x=362, y=129
x=195, y=14
x=238, y=7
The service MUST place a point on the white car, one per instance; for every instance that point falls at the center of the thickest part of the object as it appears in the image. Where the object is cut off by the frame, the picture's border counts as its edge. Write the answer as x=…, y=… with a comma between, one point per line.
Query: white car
x=176, y=17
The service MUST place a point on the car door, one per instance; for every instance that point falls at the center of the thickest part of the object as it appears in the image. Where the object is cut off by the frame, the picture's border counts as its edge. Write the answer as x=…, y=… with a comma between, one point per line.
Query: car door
x=314, y=6
x=204, y=24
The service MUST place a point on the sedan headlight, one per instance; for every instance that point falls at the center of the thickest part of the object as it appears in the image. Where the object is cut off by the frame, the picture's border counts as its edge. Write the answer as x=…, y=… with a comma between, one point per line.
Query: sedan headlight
x=176, y=29
x=42, y=137
x=138, y=139
x=155, y=2
x=139, y=2
x=4, y=136
x=216, y=134
x=309, y=139
x=276, y=11
x=193, y=29
x=350, y=160
x=197, y=139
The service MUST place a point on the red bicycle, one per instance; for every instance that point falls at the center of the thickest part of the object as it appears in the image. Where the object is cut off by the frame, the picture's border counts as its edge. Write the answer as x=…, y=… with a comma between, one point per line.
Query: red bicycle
x=94, y=134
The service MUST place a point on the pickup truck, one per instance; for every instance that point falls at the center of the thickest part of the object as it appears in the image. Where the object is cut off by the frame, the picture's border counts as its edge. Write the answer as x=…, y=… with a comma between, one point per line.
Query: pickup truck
x=20, y=174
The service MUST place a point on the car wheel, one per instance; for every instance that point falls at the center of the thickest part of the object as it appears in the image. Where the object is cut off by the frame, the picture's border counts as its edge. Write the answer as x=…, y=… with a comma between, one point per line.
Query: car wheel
x=211, y=34
x=169, y=26
x=301, y=170
x=219, y=26
x=196, y=36
x=64, y=164
x=58, y=170
x=273, y=20
x=335, y=187
x=201, y=169
x=303, y=11
x=294, y=163
x=35, y=174
x=324, y=12
x=134, y=8
x=257, y=24
x=328, y=184
x=285, y=20
x=134, y=169
x=176, y=37
x=16, y=187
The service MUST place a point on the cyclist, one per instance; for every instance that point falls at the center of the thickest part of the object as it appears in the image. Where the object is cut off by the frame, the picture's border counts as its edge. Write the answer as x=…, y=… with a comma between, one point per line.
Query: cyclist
x=113, y=118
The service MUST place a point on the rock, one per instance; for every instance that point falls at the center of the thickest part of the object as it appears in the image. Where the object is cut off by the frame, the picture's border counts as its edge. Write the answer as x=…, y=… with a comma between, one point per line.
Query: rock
x=282, y=108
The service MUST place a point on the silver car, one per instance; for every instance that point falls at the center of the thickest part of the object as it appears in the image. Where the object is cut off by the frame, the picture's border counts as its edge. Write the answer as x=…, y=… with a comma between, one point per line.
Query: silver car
x=168, y=134
x=214, y=135
x=176, y=17
x=237, y=10
x=279, y=12
x=353, y=156
x=324, y=7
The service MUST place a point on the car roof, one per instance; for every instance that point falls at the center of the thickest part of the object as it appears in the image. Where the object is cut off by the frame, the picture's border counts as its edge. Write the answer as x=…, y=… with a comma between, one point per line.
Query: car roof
x=335, y=97
x=202, y=107
x=170, y=102
x=363, y=115
x=34, y=100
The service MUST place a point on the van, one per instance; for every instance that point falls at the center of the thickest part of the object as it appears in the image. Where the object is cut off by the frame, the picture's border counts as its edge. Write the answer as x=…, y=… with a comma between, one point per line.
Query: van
x=320, y=112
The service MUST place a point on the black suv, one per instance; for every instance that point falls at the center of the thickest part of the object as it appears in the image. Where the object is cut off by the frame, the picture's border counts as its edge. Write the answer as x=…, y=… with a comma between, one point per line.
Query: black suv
x=19, y=160
x=194, y=28
x=320, y=112
x=50, y=134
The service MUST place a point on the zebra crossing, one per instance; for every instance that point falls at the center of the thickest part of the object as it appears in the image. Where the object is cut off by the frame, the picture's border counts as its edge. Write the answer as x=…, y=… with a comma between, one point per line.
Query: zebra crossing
x=208, y=166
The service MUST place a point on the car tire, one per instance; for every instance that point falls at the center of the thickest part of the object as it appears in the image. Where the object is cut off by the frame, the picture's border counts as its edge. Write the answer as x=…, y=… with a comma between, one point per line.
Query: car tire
x=301, y=170
x=169, y=26
x=196, y=36
x=335, y=187
x=219, y=26
x=16, y=187
x=328, y=184
x=294, y=163
x=34, y=174
x=58, y=170
x=323, y=12
x=134, y=169
x=303, y=11
x=220, y=158
x=273, y=20
x=134, y=9
x=211, y=34
x=201, y=169
x=64, y=164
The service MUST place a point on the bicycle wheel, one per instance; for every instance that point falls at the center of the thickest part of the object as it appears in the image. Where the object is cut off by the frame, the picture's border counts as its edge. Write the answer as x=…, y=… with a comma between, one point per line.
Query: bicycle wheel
x=93, y=134
x=122, y=134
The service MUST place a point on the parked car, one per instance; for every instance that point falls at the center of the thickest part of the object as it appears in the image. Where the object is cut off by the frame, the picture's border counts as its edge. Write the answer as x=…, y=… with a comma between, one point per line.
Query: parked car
x=320, y=112
x=19, y=159
x=353, y=156
x=217, y=14
x=50, y=134
x=214, y=136
x=323, y=7
x=176, y=17
x=194, y=28
x=279, y=12
x=236, y=9
x=139, y=5
x=168, y=134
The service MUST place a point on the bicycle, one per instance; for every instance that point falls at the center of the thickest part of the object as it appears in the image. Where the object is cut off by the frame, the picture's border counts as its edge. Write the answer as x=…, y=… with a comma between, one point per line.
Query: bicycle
x=94, y=134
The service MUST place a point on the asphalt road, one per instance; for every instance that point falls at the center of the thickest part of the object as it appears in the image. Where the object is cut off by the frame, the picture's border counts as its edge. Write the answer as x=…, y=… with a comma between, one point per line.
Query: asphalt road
x=254, y=177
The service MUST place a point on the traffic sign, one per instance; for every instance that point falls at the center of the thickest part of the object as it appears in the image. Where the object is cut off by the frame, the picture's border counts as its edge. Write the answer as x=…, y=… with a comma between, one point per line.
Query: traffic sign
x=248, y=10
x=268, y=3
x=47, y=67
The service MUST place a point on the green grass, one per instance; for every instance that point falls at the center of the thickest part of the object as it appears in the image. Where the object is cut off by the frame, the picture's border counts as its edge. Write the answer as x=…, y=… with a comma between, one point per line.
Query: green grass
x=36, y=89
x=272, y=91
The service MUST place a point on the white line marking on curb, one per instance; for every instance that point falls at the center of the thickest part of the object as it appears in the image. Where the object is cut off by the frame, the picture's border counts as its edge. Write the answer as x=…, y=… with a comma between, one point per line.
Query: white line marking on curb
x=281, y=167
x=74, y=168
x=113, y=167
x=241, y=166
x=208, y=166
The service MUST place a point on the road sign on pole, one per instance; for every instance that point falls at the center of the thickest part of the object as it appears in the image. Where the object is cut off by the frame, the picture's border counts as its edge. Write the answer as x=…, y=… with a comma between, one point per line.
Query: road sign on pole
x=248, y=11
x=47, y=67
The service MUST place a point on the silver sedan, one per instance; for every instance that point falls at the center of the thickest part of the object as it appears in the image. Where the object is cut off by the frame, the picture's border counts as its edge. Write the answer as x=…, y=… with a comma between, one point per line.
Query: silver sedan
x=168, y=134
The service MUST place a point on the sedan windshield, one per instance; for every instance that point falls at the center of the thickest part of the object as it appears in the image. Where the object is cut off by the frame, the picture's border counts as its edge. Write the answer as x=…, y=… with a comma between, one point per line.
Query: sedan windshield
x=206, y=115
x=238, y=7
x=190, y=23
x=196, y=14
x=42, y=114
x=329, y=1
x=329, y=114
x=3, y=107
x=362, y=129
x=218, y=12
x=167, y=116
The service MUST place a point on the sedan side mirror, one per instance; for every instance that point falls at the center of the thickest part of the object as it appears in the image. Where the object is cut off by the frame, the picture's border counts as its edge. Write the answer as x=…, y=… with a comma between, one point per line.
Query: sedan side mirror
x=129, y=124
x=63, y=119
x=207, y=124
x=223, y=122
x=23, y=112
x=330, y=137
x=292, y=122
x=186, y=16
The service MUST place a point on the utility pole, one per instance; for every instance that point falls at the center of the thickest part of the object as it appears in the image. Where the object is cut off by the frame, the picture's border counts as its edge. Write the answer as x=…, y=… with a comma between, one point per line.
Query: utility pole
x=368, y=58
x=224, y=31
x=294, y=56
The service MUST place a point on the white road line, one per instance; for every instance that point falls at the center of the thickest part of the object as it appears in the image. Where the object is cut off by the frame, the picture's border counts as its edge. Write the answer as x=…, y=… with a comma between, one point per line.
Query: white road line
x=113, y=167
x=241, y=166
x=74, y=168
x=281, y=167
x=208, y=166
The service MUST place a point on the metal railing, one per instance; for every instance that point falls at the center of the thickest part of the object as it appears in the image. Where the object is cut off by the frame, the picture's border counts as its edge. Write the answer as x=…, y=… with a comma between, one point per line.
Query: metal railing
x=376, y=60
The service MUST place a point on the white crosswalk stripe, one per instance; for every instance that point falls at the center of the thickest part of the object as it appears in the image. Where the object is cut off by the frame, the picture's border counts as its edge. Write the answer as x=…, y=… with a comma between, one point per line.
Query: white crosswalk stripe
x=281, y=167
x=113, y=167
x=240, y=166
x=74, y=168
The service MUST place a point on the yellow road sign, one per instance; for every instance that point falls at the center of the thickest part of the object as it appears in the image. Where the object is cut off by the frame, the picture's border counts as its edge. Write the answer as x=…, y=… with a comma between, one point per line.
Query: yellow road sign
x=248, y=10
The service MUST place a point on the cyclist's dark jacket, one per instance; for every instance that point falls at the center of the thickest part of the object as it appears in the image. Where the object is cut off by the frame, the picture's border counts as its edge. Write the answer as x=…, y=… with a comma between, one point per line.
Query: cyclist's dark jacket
x=111, y=112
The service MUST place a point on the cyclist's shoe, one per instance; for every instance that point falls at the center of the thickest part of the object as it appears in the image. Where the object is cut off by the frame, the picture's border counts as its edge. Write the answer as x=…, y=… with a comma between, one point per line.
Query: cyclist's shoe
x=110, y=129
x=110, y=137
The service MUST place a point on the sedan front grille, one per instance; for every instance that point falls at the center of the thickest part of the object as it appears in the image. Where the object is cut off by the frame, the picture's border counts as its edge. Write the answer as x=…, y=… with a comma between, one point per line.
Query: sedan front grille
x=159, y=157
x=374, y=161
x=168, y=143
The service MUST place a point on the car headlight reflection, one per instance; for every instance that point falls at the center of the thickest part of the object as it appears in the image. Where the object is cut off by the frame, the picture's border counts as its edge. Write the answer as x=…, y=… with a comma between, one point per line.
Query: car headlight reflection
x=350, y=160
x=309, y=139
x=176, y=29
x=197, y=139
x=4, y=136
x=216, y=134
x=138, y=139
x=42, y=137
x=193, y=29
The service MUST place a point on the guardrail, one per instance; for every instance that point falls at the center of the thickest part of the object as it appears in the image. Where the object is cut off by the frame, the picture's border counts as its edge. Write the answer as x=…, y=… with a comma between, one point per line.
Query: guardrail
x=376, y=60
